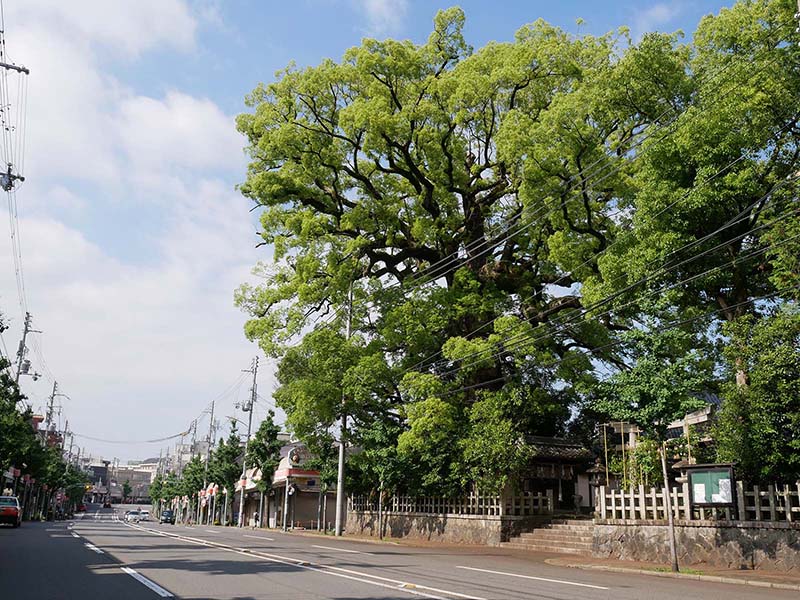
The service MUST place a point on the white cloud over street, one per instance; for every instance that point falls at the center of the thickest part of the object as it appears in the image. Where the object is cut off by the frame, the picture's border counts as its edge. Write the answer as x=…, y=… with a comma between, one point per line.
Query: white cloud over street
x=133, y=235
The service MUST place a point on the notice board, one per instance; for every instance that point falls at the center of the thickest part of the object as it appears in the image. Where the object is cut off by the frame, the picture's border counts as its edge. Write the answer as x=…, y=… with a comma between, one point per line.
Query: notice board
x=712, y=487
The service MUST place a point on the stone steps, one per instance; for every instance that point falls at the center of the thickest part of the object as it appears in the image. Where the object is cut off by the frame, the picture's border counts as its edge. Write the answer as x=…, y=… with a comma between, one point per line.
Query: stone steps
x=535, y=536
x=542, y=548
x=560, y=527
x=555, y=543
x=565, y=536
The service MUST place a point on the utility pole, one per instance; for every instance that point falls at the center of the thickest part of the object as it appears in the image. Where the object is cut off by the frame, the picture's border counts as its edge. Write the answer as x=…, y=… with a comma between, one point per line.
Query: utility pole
x=22, y=348
x=340, y=495
x=208, y=446
x=249, y=408
x=49, y=418
x=9, y=178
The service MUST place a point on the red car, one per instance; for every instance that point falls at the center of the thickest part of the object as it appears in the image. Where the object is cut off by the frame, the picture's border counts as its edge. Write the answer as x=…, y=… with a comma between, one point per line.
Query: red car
x=81, y=508
x=9, y=511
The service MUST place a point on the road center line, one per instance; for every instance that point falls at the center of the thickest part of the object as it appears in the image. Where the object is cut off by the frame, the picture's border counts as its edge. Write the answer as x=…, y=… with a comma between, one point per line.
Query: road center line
x=575, y=583
x=407, y=588
x=259, y=537
x=144, y=580
x=93, y=548
x=403, y=584
x=340, y=549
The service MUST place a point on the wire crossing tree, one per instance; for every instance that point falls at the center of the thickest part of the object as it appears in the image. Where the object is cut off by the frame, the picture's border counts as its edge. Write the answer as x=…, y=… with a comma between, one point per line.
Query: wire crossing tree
x=480, y=201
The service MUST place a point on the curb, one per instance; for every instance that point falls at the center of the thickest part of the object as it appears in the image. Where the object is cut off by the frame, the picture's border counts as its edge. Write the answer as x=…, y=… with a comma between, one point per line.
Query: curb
x=322, y=536
x=305, y=533
x=556, y=562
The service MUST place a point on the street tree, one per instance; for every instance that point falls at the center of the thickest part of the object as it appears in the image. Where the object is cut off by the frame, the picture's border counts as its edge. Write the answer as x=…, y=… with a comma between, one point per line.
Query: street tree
x=662, y=385
x=224, y=468
x=264, y=454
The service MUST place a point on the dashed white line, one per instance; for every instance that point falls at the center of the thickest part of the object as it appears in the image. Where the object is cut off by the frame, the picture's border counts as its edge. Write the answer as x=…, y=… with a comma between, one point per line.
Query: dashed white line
x=409, y=588
x=341, y=549
x=75, y=535
x=210, y=531
x=259, y=537
x=561, y=581
x=144, y=580
x=93, y=548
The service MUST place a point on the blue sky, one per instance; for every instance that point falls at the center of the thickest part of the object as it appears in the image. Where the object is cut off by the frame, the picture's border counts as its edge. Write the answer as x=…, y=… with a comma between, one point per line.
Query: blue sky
x=133, y=235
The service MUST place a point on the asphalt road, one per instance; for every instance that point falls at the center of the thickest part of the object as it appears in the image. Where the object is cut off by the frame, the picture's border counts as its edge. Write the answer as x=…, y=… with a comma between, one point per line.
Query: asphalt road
x=97, y=556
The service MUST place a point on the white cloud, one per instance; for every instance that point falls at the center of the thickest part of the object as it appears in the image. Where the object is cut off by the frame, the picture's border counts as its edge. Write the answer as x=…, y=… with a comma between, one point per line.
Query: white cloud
x=383, y=16
x=178, y=131
x=140, y=343
x=129, y=27
x=655, y=17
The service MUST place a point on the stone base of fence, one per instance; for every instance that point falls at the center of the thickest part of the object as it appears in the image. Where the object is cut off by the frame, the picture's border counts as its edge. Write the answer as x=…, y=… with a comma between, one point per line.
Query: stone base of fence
x=726, y=544
x=486, y=530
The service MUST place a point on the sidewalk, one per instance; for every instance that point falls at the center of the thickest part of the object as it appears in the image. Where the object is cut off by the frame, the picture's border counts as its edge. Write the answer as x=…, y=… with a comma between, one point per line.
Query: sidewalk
x=785, y=580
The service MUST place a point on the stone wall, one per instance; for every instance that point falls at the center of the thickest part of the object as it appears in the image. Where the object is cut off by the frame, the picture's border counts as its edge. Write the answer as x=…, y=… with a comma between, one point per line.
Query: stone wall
x=735, y=545
x=457, y=529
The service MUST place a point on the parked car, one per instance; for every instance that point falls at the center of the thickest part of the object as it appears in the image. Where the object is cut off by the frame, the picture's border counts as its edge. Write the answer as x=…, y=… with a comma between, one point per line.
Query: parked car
x=10, y=511
x=167, y=516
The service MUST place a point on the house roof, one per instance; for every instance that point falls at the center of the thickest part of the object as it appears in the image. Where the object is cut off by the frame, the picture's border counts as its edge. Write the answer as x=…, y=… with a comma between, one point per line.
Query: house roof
x=553, y=448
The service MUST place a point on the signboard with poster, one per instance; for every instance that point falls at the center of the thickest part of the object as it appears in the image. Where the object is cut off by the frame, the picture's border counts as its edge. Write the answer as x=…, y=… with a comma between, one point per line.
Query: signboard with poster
x=711, y=486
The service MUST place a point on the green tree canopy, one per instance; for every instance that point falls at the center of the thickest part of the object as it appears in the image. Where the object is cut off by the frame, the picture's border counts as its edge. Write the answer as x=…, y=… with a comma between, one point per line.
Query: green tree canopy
x=490, y=223
x=759, y=424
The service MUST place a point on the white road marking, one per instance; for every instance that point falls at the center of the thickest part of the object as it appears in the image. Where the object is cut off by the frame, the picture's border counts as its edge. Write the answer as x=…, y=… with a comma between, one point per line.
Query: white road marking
x=142, y=579
x=75, y=535
x=586, y=585
x=210, y=531
x=93, y=548
x=340, y=549
x=259, y=537
x=404, y=584
x=408, y=588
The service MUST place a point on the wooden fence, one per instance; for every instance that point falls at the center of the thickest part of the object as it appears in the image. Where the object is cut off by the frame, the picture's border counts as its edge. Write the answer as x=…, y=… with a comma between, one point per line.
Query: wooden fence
x=472, y=504
x=775, y=503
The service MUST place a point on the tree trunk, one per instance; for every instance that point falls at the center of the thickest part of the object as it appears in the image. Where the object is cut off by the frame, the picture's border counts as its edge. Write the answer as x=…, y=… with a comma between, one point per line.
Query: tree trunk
x=319, y=509
x=673, y=553
x=380, y=512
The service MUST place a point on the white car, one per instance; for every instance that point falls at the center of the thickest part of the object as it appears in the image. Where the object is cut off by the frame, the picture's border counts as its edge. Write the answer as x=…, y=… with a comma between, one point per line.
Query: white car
x=144, y=515
x=132, y=516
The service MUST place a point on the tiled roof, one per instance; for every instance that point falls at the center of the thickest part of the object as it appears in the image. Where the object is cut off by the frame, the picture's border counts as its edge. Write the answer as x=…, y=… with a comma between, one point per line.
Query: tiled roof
x=557, y=448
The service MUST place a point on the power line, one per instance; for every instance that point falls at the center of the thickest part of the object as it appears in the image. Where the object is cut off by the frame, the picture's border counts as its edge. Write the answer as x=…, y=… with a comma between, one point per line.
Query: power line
x=415, y=280
x=630, y=232
x=663, y=327
x=154, y=441
x=519, y=339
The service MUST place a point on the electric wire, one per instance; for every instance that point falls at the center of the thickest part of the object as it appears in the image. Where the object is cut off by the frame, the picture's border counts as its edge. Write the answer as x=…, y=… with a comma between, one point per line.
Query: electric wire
x=662, y=327
x=512, y=344
x=497, y=241
x=629, y=232
x=587, y=172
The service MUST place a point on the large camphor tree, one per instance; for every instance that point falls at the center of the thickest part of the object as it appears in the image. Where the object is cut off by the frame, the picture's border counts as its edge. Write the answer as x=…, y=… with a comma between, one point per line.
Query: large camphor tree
x=479, y=221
